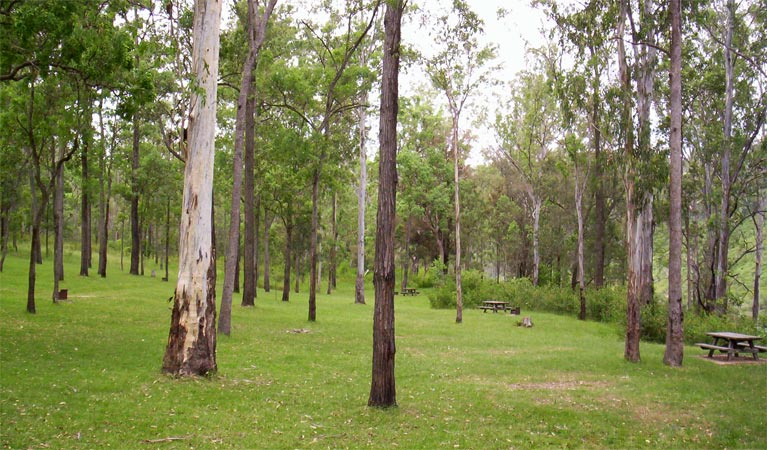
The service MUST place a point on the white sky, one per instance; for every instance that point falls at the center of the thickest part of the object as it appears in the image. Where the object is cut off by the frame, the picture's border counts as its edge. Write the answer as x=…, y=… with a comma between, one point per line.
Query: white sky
x=518, y=30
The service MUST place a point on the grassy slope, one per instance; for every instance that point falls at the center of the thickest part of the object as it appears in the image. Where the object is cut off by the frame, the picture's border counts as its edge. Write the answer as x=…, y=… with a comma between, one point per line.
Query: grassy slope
x=86, y=374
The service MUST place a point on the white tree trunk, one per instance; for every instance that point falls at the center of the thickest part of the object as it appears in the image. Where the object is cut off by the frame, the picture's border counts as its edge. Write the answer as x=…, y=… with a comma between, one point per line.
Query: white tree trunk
x=759, y=223
x=537, y=204
x=191, y=346
x=361, y=195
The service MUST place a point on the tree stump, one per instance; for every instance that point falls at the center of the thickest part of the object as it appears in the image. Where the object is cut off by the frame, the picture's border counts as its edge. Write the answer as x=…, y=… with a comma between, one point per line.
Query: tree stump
x=526, y=322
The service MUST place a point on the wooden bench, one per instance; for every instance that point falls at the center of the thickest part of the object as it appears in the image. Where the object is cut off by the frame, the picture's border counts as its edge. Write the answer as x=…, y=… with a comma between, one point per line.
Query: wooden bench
x=486, y=308
x=743, y=347
x=759, y=348
x=713, y=347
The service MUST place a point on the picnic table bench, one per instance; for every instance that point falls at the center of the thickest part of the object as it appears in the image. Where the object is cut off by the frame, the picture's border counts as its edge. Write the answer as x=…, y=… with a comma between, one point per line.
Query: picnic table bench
x=410, y=291
x=732, y=344
x=495, y=306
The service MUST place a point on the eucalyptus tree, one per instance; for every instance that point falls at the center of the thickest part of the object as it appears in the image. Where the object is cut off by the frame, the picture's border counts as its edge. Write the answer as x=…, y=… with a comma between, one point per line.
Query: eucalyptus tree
x=191, y=348
x=640, y=159
x=675, y=333
x=423, y=165
x=758, y=217
x=738, y=142
x=383, y=392
x=257, y=20
x=527, y=134
x=722, y=171
x=461, y=66
x=319, y=90
x=585, y=32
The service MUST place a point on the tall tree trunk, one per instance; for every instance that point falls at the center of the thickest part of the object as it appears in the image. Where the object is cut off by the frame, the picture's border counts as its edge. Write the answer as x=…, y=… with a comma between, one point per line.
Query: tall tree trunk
x=232, y=252
x=267, y=226
x=456, y=193
x=134, y=214
x=85, y=212
x=333, y=245
x=105, y=193
x=35, y=208
x=5, y=230
x=647, y=61
x=759, y=225
x=724, y=209
x=297, y=257
x=167, y=238
x=58, y=222
x=579, y=188
x=675, y=333
x=313, y=257
x=288, y=260
x=359, y=285
x=249, y=246
x=406, y=255
x=647, y=288
x=191, y=346
x=383, y=391
x=599, y=194
x=236, y=286
x=633, y=228
x=537, y=204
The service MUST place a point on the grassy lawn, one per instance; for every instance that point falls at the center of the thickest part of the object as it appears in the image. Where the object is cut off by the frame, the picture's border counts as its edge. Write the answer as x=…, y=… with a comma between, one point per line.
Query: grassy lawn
x=86, y=374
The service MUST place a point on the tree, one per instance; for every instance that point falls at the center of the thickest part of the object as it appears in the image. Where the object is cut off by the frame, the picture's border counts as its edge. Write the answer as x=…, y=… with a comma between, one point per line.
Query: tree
x=256, y=32
x=758, y=218
x=633, y=231
x=458, y=70
x=383, y=391
x=527, y=133
x=675, y=333
x=320, y=102
x=191, y=348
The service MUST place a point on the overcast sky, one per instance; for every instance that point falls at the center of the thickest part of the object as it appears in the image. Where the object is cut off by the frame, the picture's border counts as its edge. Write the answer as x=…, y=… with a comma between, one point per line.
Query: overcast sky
x=513, y=33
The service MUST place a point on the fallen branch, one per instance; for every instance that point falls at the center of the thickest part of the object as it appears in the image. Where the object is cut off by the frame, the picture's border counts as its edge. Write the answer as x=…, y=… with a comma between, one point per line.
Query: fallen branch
x=167, y=439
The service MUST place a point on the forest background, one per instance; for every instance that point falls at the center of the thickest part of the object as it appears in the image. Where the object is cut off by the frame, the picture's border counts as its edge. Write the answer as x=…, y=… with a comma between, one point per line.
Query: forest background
x=95, y=109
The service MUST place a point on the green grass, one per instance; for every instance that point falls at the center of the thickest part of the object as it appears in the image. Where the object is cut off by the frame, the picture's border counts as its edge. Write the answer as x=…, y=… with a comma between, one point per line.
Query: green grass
x=86, y=374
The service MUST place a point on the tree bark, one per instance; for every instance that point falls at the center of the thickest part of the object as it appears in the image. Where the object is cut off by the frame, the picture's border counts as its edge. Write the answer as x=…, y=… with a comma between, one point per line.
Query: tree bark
x=85, y=213
x=313, y=257
x=256, y=34
x=599, y=194
x=579, y=188
x=633, y=221
x=759, y=225
x=359, y=285
x=383, y=391
x=720, y=292
x=456, y=194
x=104, y=196
x=288, y=260
x=267, y=226
x=333, y=245
x=674, y=353
x=58, y=224
x=135, y=252
x=537, y=204
x=249, y=247
x=191, y=346
x=167, y=238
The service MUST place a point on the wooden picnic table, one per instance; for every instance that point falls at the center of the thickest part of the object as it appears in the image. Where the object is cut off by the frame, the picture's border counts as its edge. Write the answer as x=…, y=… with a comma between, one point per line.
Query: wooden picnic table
x=732, y=344
x=494, y=306
x=410, y=291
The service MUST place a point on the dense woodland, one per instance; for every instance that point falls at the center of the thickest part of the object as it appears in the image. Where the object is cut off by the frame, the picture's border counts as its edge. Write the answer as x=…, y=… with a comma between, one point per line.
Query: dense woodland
x=572, y=190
